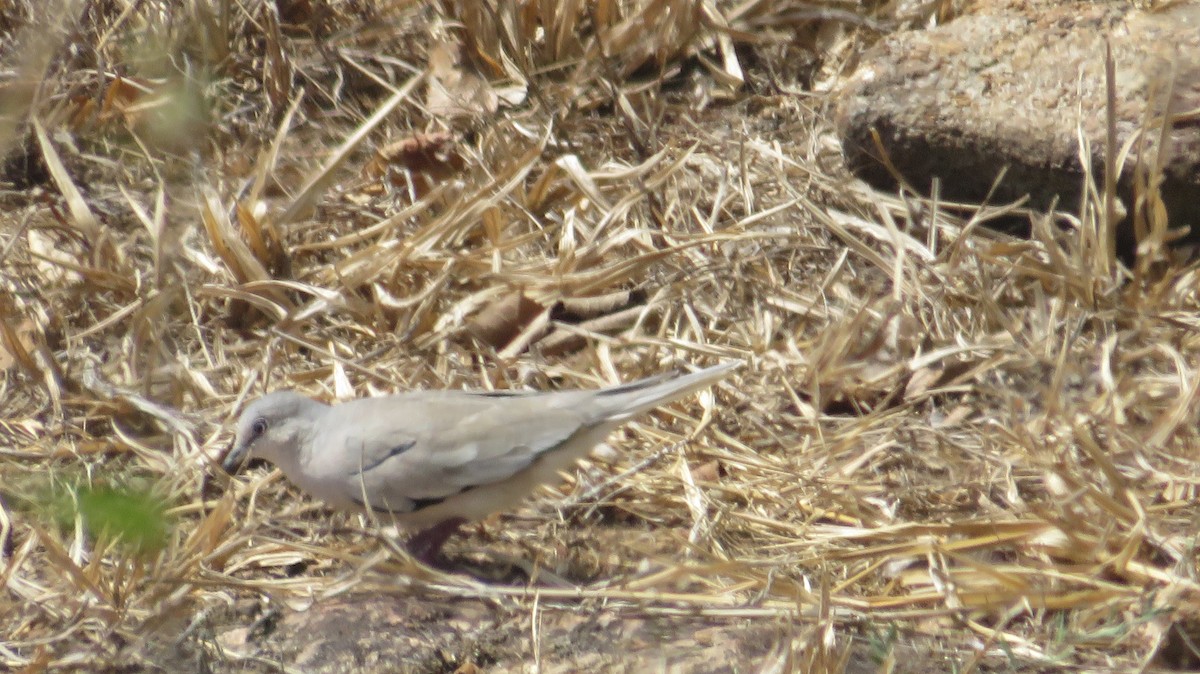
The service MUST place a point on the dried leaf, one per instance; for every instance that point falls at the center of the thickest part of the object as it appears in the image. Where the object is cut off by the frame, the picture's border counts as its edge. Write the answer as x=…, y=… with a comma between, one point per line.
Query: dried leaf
x=319, y=181
x=264, y=243
x=456, y=88
x=500, y=322
x=579, y=309
x=16, y=343
x=710, y=471
x=53, y=264
x=82, y=217
x=566, y=339
x=428, y=159
x=277, y=67
x=922, y=380
x=122, y=95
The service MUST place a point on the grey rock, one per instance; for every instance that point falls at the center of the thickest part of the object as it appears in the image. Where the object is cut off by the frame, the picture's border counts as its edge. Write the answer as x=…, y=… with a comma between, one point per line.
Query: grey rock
x=1014, y=85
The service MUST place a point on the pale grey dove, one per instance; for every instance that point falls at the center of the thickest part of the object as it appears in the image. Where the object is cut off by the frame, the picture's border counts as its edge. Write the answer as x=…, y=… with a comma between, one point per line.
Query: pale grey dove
x=433, y=460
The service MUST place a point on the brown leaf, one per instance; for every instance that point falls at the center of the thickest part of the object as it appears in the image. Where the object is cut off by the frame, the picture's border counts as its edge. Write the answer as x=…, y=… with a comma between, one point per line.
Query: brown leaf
x=456, y=87
x=277, y=67
x=535, y=330
x=120, y=96
x=428, y=157
x=16, y=343
x=922, y=380
x=264, y=242
x=564, y=340
x=579, y=309
x=708, y=472
x=501, y=321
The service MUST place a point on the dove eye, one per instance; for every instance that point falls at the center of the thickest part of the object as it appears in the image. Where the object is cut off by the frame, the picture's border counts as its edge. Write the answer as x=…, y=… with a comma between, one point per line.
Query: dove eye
x=258, y=427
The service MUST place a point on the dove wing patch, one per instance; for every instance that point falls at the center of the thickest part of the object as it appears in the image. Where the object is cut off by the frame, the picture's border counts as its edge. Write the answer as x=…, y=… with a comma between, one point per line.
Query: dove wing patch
x=447, y=457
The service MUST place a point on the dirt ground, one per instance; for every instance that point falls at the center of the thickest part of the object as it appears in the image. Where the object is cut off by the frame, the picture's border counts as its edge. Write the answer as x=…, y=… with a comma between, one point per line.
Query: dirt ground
x=404, y=627
x=947, y=449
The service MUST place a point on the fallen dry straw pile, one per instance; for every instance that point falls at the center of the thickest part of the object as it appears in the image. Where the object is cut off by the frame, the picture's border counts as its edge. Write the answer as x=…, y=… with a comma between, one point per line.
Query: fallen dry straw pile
x=948, y=449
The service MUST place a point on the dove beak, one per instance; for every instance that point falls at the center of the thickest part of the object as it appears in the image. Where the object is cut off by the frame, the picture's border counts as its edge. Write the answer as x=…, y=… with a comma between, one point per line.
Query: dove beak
x=234, y=458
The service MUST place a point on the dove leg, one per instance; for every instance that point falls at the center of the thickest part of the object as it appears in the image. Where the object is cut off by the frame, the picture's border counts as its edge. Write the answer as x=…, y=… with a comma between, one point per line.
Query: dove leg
x=426, y=545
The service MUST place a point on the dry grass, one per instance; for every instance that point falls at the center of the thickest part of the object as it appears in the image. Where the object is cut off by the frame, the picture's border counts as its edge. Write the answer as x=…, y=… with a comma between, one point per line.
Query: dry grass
x=984, y=445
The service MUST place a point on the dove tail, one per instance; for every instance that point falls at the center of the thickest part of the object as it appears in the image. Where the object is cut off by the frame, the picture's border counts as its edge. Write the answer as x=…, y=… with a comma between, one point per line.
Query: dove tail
x=628, y=400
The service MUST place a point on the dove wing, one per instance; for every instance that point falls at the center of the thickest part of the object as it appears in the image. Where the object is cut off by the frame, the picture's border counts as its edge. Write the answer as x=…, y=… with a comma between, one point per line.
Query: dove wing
x=401, y=453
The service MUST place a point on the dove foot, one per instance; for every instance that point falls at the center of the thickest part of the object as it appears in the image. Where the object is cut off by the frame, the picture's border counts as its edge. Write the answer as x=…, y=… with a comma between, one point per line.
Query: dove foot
x=426, y=545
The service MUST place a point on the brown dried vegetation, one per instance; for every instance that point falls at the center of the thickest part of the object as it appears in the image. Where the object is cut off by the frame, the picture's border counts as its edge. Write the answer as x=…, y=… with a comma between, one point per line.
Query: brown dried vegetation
x=980, y=445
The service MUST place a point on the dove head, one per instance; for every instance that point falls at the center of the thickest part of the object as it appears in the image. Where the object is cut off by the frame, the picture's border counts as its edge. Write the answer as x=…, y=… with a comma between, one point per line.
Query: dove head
x=274, y=428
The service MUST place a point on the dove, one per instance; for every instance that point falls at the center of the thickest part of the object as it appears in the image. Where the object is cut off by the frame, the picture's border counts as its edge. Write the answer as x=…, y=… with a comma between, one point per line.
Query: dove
x=435, y=460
